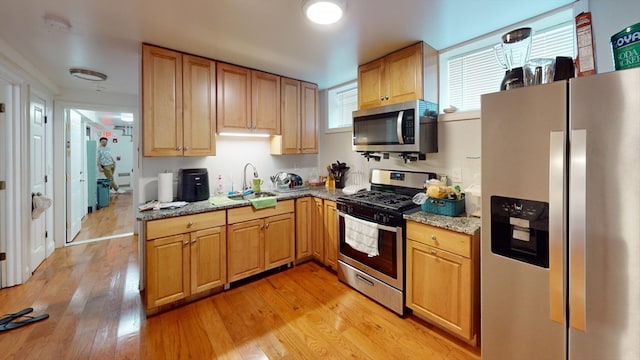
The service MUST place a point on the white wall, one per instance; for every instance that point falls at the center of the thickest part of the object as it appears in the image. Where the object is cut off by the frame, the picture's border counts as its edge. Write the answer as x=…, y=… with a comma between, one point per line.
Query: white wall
x=609, y=18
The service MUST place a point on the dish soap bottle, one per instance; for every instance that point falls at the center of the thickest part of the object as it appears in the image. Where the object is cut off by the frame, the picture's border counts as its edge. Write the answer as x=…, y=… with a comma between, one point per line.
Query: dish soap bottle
x=220, y=186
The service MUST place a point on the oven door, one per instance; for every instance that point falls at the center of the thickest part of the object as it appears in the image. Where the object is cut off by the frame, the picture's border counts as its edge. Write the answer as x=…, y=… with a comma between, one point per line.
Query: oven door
x=387, y=266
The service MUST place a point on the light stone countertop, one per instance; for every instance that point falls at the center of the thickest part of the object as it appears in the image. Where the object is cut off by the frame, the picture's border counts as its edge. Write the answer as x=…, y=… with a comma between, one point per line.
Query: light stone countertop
x=205, y=206
x=461, y=224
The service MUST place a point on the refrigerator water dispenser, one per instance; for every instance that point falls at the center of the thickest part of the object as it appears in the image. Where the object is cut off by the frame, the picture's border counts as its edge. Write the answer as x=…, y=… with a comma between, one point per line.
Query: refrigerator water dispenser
x=520, y=230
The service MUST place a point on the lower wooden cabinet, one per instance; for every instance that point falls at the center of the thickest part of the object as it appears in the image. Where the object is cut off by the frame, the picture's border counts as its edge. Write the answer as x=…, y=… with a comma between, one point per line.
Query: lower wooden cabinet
x=317, y=230
x=304, y=230
x=330, y=213
x=259, y=240
x=185, y=256
x=443, y=284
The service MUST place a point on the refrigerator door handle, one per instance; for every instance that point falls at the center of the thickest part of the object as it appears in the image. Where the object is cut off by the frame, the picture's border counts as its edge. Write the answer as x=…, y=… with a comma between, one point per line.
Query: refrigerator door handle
x=577, y=229
x=556, y=221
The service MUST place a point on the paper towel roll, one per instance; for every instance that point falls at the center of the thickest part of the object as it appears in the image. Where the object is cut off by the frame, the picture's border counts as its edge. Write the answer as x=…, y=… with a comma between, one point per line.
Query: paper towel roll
x=165, y=187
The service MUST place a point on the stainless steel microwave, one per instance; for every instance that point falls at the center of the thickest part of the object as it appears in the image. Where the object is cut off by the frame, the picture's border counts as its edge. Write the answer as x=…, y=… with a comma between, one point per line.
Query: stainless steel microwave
x=409, y=127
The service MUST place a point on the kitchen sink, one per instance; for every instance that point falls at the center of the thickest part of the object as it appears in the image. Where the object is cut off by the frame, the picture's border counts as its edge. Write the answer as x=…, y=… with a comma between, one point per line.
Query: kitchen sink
x=251, y=196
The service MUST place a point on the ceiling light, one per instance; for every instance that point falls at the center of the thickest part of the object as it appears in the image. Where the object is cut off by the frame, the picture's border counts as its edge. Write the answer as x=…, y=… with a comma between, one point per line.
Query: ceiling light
x=128, y=117
x=324, y=12
x=87, y=74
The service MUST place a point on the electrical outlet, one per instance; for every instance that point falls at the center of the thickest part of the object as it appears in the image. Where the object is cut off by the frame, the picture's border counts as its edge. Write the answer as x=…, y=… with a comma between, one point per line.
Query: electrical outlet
x=456, y=175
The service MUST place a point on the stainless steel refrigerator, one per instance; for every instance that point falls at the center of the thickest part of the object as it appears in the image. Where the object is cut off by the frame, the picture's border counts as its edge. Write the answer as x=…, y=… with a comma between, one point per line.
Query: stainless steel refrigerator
x=560, y=260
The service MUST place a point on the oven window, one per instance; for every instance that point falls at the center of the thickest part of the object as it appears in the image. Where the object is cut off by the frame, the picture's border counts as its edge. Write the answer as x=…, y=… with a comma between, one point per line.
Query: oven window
x=385, y=263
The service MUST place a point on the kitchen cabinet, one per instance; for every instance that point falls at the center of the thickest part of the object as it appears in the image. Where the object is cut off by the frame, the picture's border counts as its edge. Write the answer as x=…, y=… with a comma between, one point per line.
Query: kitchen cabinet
x=317, y=230
x=299, y=119
x=304, y=230
x=330, y=212
x=178, y=103
x=443, y=284
x=259, y=240
x=408, y=74
x=248, y=100
x=185, y=256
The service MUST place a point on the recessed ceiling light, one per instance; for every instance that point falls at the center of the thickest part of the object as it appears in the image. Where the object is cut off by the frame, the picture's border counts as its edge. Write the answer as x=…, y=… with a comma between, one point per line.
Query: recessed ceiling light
x=87, y=74
x=324, y=12
x=128, y=117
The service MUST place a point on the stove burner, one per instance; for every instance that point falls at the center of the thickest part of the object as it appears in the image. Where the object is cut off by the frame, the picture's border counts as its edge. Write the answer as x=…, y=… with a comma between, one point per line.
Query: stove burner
x=392, y=201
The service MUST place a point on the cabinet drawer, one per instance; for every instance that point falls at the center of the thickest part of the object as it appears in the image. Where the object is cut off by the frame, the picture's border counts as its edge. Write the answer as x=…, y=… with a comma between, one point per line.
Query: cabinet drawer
x=183, y=224
x=448, y=240
x=248, y=213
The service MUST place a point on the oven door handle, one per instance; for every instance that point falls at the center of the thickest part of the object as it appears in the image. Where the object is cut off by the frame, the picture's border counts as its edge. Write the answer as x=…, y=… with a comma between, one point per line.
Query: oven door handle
x=380, y=226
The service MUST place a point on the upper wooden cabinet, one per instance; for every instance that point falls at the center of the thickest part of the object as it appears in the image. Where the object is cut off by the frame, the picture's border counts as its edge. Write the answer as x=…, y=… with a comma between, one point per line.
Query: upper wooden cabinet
x=178, y=103
x=407, y=74
x=248, y=100
x=299, y=119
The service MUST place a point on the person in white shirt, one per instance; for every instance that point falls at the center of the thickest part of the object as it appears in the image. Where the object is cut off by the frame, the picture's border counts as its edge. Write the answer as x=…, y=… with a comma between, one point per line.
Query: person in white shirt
x=106, y=163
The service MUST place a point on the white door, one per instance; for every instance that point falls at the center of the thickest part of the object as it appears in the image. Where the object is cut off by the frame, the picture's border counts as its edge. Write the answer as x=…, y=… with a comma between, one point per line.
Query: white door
x=38, y=182
x=76, y=177
x=3, y=201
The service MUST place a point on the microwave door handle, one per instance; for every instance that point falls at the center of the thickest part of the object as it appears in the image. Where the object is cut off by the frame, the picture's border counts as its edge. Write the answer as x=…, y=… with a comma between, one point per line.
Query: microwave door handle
x=399, y=127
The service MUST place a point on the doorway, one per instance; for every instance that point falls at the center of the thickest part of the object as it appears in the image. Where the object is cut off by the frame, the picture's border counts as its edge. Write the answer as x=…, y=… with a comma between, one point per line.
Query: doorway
x=95, y=212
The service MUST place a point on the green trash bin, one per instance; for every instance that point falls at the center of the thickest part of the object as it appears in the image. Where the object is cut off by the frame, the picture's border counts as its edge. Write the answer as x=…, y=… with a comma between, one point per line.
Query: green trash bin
x=103, y=192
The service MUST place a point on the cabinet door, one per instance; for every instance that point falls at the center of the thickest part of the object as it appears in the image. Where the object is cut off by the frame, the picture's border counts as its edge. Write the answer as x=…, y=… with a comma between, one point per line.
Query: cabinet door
x=317, y=229
x=208, y=259
x=309, y=118
x=245, y=249
x=331, y=234
x=404, y=75
x=265, y=102
x=304, y=214
x=439, y=287
x=161, y=102
x=167, y=269
x=290, y=116
x=371, y=86
x=199, y=106
x=279, y=240
x=233, y=98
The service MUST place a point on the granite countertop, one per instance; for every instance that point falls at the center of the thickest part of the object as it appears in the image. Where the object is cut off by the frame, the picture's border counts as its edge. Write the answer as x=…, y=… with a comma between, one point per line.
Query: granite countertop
x=205, y=206
x=461, y=224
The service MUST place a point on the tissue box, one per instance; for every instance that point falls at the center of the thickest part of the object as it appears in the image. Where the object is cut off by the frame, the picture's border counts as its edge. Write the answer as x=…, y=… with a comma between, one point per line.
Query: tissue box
x=443, y=206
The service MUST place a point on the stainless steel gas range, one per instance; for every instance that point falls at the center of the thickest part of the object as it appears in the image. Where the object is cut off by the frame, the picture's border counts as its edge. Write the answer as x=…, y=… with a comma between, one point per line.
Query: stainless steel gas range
x=372, y=243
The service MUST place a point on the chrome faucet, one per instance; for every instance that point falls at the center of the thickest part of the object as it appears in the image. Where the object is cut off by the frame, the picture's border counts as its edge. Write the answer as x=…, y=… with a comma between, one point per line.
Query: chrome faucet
x=244, y=175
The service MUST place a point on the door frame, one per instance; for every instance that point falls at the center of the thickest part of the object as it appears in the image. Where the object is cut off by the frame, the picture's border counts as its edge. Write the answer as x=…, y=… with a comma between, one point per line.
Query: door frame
x=59, y=154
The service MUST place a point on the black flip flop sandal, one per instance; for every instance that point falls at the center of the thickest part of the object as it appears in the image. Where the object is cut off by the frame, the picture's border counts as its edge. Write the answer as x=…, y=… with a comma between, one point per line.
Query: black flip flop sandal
x=13, y=324
x=5, y=319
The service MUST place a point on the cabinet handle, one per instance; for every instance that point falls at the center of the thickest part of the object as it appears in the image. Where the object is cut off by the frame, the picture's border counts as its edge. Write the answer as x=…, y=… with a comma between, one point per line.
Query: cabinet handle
x=386, y=97
x=267, y=226
x=261, y=227
x=186, y=243
x=433, y=237
x=190, y=224
x=186, y=148
x=381, y=98
x=193, y=241
x=179, y=148
x=433, y=252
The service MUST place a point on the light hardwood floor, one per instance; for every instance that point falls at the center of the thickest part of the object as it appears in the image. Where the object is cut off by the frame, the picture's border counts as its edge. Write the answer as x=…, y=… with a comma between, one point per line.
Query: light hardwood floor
x=117, y=218
x=91, y=293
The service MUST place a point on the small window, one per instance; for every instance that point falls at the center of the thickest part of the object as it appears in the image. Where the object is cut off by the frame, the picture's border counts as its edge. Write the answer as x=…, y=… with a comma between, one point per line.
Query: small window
x=342, y=100
x=471, y=70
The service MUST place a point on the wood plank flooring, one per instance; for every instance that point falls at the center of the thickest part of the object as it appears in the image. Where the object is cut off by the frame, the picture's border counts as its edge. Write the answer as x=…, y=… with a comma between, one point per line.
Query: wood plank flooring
x=91, y=293
x=117, y=218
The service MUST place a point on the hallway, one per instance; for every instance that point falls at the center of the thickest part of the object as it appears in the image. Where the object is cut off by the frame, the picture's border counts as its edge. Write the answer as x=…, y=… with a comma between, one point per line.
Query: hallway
x=115, y=219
